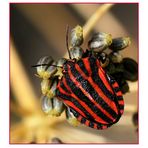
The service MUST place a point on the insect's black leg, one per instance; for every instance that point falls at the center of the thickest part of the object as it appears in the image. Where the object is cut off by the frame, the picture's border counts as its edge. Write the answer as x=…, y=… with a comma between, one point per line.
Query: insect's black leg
x=103, y=58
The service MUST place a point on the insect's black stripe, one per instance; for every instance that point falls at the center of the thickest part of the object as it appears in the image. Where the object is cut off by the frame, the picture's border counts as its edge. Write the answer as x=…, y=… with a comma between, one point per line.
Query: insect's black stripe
x=74, y=101
x=92, y=106
x=77, y=91
x=116, y=89
x=91, y=113
x=99, y=126
x=82, y=66
x=86, y=86
x=121, y=107
x=83, y=120
x=97, y=79
x=92, y=124
x=80, y=70
x=64, y=87
x=112, y=81
x=76, y=114
x=120, y=98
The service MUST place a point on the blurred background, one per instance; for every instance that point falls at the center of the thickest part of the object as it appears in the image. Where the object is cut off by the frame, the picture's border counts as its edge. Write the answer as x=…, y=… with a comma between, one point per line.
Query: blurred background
x=38, y=30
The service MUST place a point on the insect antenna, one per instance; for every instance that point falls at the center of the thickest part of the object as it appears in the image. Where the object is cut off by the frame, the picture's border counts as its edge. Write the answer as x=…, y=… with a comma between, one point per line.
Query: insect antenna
x=46, y=65
x=67, y=45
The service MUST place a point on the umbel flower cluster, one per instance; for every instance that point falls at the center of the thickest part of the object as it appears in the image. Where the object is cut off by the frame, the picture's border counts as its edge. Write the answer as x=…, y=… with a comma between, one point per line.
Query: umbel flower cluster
x=89, y=85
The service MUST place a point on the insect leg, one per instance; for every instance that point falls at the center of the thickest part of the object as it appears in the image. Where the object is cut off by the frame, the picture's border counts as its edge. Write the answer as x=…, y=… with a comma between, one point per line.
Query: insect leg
x=103, y=58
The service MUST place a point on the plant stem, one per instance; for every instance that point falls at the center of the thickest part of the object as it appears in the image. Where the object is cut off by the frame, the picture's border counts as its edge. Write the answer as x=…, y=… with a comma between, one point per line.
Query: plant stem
x=89, y=25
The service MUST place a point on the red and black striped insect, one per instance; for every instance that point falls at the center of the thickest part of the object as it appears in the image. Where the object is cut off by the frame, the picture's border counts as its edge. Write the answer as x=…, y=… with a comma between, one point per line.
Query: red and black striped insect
x=92, y=95
x=81, y=85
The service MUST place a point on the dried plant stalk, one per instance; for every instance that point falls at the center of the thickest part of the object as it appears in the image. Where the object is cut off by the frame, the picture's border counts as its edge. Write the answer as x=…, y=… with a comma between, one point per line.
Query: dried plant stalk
x=89, y=25
x=28, y=107
x=20, y=83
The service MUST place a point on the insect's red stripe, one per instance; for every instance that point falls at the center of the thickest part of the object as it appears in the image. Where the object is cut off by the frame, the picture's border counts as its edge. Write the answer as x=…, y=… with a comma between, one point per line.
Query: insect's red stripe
x=79, y=118
x=119, y=93
x=86, y=63
x=121, y=102
x=95, y=126
x=62, y=91
x=103, y=78
x=87, y=122
x=104, y=127
x=120, y=98
x=115, y=85
x=121, y=105
x=95, y=116
x=100, y=92
x=67, y=94
x=64, y=82
x=90, y=97
x=69, y=103
x=121, y=111
x=95, y=86
x=103, y=96
x=90, y=67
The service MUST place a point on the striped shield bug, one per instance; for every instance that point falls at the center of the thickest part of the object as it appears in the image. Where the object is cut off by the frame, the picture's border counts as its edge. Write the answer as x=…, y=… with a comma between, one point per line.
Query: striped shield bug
x=81, y=85
x=92, y=95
